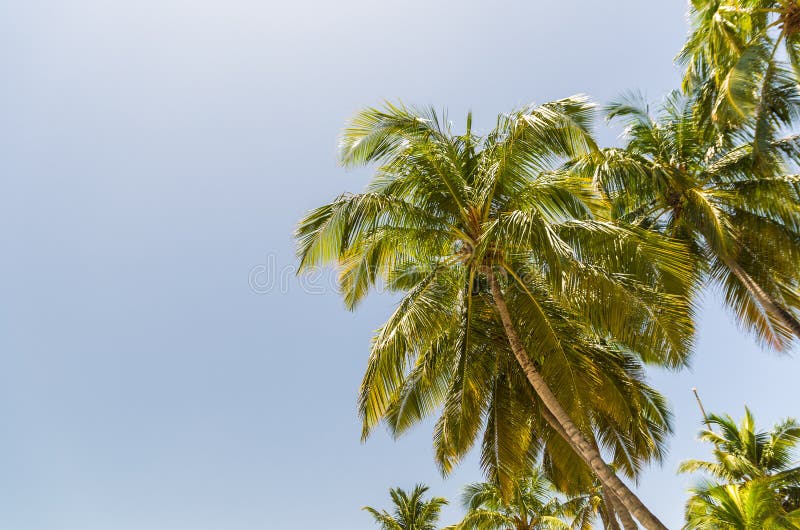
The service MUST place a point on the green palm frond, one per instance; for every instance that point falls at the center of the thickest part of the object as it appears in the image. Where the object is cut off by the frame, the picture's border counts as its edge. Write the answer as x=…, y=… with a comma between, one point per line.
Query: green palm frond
x=737, y=507
x=532, y=505
x=741, y=61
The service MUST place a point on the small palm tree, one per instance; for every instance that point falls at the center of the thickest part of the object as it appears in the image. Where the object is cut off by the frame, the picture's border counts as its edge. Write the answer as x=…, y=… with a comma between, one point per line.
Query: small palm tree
x=411, y=511
x=743, y=454
x=741, y=217
x=749, y=506
x=522, y=303
x=533, y=505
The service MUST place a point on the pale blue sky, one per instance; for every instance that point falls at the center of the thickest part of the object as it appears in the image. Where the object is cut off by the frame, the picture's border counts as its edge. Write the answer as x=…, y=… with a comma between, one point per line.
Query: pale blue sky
x=153, y=153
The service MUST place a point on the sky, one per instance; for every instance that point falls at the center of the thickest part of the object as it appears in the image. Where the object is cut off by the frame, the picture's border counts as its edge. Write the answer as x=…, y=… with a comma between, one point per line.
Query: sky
x=161, y=367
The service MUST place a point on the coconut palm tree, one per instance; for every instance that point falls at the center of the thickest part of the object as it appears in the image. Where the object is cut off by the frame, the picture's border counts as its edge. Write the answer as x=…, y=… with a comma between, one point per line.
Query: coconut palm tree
x=521, y=301
x=741, y=221
x=534, y=505
x=743, y=454
x=411, y=511
x=748, y=506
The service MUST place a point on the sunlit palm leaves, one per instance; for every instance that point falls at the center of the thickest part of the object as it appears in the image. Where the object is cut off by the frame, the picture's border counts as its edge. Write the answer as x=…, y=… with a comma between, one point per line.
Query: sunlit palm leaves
x=743, y=454
x=751, y=506
x=742, y=58
x=533, y=505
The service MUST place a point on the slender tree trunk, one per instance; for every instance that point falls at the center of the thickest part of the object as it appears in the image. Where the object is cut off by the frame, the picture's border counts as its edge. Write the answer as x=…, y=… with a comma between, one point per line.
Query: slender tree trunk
x=763, y=298
x=575, y=438
x=614, y=506
x=608, y=517
x=620, y=510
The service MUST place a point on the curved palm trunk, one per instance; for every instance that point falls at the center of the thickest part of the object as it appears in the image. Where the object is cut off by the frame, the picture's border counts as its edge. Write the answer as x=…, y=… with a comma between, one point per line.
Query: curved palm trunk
x=613, y=506
x=763, y=298
x=574, y=437
x=608, y=516
x=618, y=509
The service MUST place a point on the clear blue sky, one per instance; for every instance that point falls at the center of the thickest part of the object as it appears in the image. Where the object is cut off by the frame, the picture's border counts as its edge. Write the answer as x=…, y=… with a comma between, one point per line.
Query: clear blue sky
x=153, y=153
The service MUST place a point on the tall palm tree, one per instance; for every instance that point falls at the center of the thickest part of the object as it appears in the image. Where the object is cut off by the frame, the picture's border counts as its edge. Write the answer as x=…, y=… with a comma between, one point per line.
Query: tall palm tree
x=743, y=454
x=411, y=511
x=741, y=221
x=748, y=506
x=511, y=273
x=534, y=505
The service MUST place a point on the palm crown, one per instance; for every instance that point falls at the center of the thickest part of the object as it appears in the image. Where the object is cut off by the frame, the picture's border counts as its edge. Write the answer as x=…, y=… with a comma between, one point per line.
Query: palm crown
x=412, y=511
x=535, y=504
x=742, y=454
x=740, y=216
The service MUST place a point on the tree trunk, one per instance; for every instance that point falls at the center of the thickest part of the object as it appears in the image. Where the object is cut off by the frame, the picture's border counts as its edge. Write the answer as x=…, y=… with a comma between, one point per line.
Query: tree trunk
x=614, y=504
x=614, y=507
x=575, y=438
x=607, y=514
x=619, y=510
x=763, y=298
x=608, y=517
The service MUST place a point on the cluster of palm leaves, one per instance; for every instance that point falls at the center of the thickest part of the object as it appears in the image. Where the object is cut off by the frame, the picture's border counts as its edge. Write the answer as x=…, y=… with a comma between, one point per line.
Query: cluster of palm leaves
x=755, y=483
x=742, y=71
x=539, y=273
x=742, y=61
x=534, y=504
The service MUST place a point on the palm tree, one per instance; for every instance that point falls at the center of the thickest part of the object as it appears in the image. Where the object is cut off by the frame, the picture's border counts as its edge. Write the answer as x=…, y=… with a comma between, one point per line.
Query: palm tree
x=534, y=505
x=732, y=62
x=742, y=222
x=748, y=506
x=411, y=511
x=743, y=454
x=522, y=303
